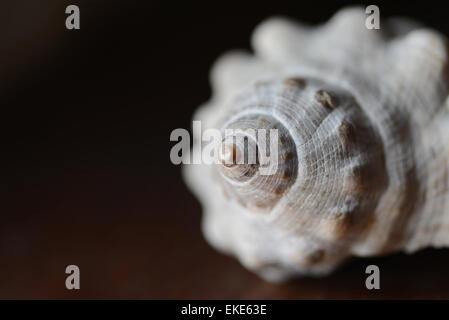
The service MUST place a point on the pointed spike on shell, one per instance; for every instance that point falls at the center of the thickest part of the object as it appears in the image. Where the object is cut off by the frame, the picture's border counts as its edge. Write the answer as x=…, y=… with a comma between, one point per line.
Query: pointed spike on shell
x=420, y=61
x=277, y=37
x=234, y=71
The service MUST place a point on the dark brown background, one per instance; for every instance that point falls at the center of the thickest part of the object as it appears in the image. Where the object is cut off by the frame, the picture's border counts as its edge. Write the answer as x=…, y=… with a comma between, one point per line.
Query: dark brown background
x=86, y=177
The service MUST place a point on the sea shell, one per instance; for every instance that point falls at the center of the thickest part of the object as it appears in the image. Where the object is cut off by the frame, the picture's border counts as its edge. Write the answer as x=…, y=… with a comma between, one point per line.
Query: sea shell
x=364, y=154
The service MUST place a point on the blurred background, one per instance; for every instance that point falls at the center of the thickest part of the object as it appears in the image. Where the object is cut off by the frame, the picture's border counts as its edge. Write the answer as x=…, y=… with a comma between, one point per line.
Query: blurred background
x=86, y=177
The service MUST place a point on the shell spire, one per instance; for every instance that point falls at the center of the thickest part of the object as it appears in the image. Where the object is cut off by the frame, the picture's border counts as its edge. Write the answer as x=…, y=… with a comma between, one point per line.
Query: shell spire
x=248, y=175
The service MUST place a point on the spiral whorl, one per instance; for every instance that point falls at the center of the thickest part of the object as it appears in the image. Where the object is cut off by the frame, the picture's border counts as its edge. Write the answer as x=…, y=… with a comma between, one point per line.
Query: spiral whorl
x=324, y=147
x=258, y=160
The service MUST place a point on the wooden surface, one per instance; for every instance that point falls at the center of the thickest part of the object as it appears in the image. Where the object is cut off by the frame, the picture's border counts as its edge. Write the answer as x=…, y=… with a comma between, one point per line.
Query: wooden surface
x=131, y=241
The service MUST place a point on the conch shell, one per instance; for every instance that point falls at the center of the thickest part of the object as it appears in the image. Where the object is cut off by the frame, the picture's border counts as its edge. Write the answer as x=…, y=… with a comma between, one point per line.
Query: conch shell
x=364, y=145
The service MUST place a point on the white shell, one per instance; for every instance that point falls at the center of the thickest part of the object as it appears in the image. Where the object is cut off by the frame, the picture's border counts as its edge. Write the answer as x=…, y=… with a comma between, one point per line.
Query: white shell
x=367, y=142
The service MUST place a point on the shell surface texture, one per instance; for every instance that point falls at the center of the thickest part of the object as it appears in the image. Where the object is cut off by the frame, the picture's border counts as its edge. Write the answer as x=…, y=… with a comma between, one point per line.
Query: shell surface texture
x=363, y=122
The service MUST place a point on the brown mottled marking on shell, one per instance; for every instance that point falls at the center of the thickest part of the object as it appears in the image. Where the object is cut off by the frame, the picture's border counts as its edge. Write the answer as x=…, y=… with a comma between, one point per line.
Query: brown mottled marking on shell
x=234, y=158
x=252, y=170
x=326, y=99
x=349, y=221
x=296, y=82
x=279, y=189
x=329, y=229
x=347, y=132
x=287, y=174
x=315, y=257
x=338, y=215
x=262, y=122
x=287, y=156
x=353, y=182
x=281, y=139
x=344, y=224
